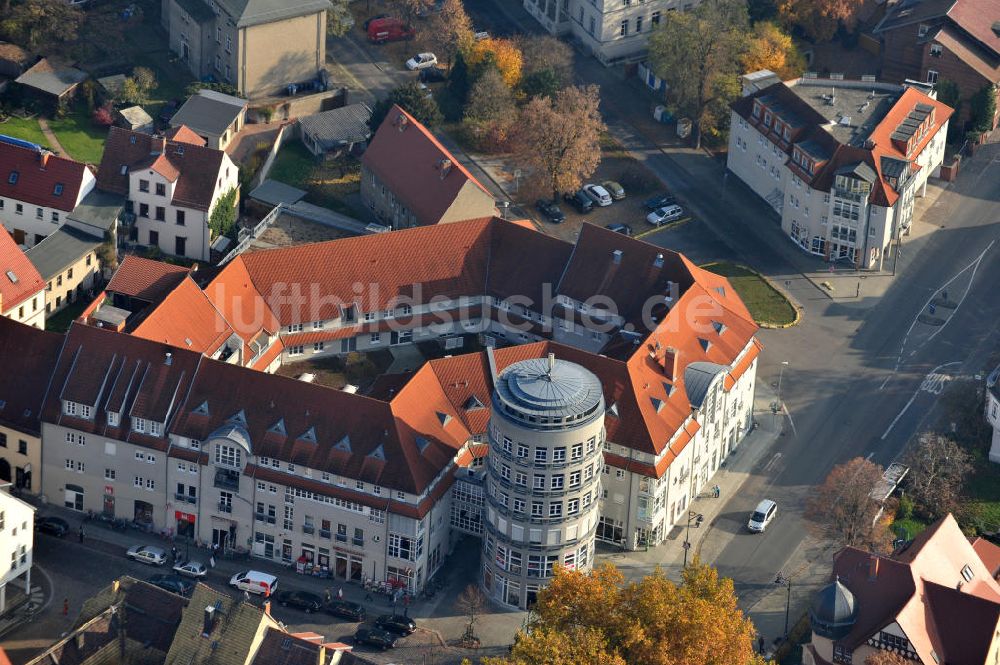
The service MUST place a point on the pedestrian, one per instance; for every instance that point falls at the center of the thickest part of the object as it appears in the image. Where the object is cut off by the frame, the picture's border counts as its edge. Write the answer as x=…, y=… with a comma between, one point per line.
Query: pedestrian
x=173, y=553
x=718, y=491
x=326, y=595
x=81, y=533
x=340, y=593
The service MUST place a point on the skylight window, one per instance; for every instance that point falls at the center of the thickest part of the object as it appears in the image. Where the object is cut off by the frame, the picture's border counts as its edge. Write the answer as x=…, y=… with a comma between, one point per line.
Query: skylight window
x=12, y=277
x=12, y=178
x=58, y=189
x=124, y=169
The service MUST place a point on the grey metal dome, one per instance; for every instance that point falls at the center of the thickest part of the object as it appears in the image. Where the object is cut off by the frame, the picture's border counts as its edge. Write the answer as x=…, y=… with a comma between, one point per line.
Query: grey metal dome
x=834, y=611
x=548, y=393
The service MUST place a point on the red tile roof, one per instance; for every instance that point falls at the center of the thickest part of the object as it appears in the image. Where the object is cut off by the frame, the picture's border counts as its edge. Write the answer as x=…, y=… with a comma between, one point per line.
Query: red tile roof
x=19, y=279
x=184, y=134
x=247, y=313
x=990, y=554
x=408, y=159
x=978, y=18
x=186, y=318
x=39, y=177
x=28, y=363
x=146, y=279
x=194, y=168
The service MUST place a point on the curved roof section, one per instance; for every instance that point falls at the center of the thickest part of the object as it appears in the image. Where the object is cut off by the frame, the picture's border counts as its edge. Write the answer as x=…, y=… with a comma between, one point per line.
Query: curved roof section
x=698, y=378
x=546, y=389
x=834, y=611
x=235, y=434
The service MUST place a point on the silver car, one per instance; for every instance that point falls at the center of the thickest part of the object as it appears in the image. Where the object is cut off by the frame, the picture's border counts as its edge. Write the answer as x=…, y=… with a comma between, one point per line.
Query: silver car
x=191, y=569
x=149, y=554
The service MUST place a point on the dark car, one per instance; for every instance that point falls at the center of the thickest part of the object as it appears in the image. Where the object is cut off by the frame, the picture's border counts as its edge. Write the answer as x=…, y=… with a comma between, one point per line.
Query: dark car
x=433, y=74
x=580, y=201
x=550, y=210
x=346, y=610
x=623, y=229
x=304, y=600
x=172, y=583
x=658, y=201
x=397, y=623
x=375, y=637
x=374, y=18
x=54, y=526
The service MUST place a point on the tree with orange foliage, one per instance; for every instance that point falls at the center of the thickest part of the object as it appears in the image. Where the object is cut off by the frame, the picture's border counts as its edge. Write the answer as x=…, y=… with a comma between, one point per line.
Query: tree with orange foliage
x=595, y=617
x=505, y=55
x=843, y=509
x=819, y=19
x=769, y=47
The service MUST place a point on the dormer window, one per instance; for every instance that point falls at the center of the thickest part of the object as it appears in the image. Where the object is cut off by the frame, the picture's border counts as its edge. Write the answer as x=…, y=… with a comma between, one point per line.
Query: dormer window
x=140, y=425
x=77, y=410
x=228, y=456
x=114, y=418
x=767, y=119
x=967, y=573
x=757, y=109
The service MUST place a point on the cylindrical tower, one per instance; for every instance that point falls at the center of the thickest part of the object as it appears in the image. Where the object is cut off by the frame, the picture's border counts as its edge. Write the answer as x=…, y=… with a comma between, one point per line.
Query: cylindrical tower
x=543, y=479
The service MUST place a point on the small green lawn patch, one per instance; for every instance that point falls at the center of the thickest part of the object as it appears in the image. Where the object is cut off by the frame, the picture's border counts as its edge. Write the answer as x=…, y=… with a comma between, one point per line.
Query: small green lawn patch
x=293, y=165
x=20, y=128
x=61, y=320
x=766, y=304
x=909, y=527
x=327, y=183
x=79, y=136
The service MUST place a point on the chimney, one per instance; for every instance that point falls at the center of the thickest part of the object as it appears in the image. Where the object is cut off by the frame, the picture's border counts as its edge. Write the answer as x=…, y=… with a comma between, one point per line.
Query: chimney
x=267, y=607
x=169, y=359
x=616, y=257
x=321, y=660
x=671, y=360
x=209, y=621
x=43, y=158
x=873, y=567
x=552, y=362
x=658, y=261
x=445, y=166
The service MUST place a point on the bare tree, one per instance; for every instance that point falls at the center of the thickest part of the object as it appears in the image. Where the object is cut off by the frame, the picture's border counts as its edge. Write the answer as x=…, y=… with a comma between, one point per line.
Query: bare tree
x=560, y=138
x=885, y=658
x=843, y=509
x=938, y=468
x=545, y=52
x=471, y=602
x=491, y=111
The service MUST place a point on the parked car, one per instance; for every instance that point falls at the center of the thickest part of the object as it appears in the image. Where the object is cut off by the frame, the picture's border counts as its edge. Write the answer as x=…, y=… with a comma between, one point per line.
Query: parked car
x=389, y=29
x=375, y=637
x=254, y=581
x=369, y=21
x=54, y=526
x=396, y=623
x=616, y=191
x=762, y=516
x=191, y=569
x=665, y=214
x=623, y=229
x=154, y=556
x=433, y=74
x=303, y=600
x=172, y=583
x=580, y=201
x=658, y=201
x=550, y=210
x=598, y=195
x=346, y=609
x=422, y=61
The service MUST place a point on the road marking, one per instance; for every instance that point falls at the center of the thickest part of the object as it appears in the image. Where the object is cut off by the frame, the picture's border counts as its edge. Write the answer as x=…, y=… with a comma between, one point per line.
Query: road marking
x=772, y=461
x=870, y=455
x=915, y=393
x=882, y=387
x=934, y=383
x=968, y=287
x=784, y=408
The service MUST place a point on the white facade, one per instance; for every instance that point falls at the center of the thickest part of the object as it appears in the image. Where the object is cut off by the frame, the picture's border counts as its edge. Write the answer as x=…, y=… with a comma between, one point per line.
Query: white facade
x=17, y=533
x=30, y=311
x=993, y=412
x=176, y=229
x=614, y=31
x=30, y=223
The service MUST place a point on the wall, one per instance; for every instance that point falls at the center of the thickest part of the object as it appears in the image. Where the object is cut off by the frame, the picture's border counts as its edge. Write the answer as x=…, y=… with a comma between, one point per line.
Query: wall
x=12, y=442
x=285, y=108
x=181, y=26
x=16, y=539
x=606, y=42
x=272, y=55
x=471, y=202
x=74, y=279
x=285, y=133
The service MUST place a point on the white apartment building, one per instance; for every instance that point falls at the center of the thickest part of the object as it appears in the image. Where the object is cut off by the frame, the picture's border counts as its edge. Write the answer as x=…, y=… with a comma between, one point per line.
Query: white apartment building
x=993, y=412
x=17, y=537
x=171, y=188
x=840, y=161
x=613, y=31
x=38, y=190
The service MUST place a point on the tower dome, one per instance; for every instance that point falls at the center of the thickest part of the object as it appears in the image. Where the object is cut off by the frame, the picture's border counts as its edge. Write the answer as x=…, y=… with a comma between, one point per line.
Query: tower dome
x=834, y=611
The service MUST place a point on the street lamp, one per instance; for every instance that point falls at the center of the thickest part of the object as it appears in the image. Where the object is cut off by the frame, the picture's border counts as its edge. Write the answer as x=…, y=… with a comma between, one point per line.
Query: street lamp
x=781, y=371
x=787, y=581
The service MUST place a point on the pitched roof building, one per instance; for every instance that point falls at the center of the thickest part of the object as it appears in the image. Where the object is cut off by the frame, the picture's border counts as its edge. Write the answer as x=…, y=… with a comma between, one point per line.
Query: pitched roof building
x=409, y=179
x=932, y=601
x=22, y=289
x=862, y=149
x=213, y=116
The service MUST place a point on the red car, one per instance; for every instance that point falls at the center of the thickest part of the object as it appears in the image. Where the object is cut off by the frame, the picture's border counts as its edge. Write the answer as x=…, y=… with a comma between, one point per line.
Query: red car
x=389, y=29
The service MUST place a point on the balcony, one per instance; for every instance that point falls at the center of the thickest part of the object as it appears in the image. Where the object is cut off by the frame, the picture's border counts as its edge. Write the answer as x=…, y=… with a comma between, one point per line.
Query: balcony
x=225, y=507
x=227, y=479
x=308, y=528
x=324, y=533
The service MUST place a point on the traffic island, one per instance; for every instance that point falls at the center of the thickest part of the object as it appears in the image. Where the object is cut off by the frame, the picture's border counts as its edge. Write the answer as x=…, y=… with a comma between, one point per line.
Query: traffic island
x=768, y=306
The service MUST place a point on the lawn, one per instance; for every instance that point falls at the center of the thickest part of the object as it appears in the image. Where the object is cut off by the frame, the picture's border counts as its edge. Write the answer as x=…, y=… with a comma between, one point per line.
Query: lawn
x=766, y=304
x=81, y=138
x=327, y=183
x=909, y=527
x=20, y=128
x=61, y=320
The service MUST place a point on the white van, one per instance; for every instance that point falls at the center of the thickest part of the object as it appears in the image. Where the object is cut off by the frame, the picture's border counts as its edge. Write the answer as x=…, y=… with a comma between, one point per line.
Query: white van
x=761, y=517
x=253, y=581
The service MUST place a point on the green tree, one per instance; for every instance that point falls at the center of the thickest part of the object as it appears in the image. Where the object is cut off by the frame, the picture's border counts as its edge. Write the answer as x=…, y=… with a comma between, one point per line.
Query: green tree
x=137, y=88
x=948, y=93
x=218, y=86
x=414, y=100
x=458, y=80
x=983, y=108
x=222, y=220
x=541, y=83
x=698, y=54
x=40, y=24
x=491, y=111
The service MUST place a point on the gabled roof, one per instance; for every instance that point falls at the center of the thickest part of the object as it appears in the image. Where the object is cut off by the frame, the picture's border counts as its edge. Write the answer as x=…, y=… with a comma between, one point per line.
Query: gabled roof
x=990, y=554
x=61, y=249
x=336, y=127
x=978, y=18
x=52, y=77
x=194, y=168
x=423, y=175
x=27, y=368
x=209, y=112
x=19, y=279
x=913, y=11
x=146, y=279
x=281, y=648
x=186, y=318
x=184, y=134
x=254, y=12
x=42, y=179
